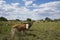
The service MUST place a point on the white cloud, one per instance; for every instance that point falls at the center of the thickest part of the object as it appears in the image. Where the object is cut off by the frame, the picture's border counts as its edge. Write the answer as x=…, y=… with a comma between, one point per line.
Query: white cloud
x=15, y=4
x=28, y=2
x=35, y=5
x=14, y=11
x=51, y=7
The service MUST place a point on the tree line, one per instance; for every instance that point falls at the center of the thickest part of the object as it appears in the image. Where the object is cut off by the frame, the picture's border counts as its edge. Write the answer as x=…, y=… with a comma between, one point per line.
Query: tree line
x=28, y=19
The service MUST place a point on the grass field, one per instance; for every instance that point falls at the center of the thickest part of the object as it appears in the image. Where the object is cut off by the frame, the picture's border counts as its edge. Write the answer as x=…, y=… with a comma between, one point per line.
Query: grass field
x=39, y=31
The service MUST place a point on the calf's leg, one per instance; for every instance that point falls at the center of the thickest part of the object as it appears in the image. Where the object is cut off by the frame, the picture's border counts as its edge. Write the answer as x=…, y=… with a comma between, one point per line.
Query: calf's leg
x=12, y=33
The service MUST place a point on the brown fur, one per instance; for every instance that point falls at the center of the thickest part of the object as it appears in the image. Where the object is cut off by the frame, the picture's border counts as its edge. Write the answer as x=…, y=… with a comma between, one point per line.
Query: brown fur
x=19, y=27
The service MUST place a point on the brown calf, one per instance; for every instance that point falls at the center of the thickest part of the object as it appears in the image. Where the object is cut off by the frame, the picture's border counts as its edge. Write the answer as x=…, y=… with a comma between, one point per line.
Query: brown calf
x=20, y=27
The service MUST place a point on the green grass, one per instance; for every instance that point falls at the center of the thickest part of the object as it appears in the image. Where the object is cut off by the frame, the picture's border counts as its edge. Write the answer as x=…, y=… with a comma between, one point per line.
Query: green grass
x=39, y=31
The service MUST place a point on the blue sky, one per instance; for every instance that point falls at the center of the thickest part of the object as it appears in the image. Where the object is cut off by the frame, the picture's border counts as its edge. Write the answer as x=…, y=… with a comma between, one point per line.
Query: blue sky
x=34, y=9
x=38, y=2
x=35, y=1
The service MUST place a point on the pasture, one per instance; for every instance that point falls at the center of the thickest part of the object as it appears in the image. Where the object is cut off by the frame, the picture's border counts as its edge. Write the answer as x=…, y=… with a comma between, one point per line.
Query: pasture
x=39, y=31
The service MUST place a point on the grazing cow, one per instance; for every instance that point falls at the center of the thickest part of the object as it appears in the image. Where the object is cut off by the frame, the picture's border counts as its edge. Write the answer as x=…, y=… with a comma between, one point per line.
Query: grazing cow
x=20, y=27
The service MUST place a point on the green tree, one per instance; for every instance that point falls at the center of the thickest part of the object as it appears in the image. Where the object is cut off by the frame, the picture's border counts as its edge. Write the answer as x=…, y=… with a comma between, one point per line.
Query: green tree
x=28, y=20
x=56, y=20
x=48, y=19
x=3, y=19
x=17, y=20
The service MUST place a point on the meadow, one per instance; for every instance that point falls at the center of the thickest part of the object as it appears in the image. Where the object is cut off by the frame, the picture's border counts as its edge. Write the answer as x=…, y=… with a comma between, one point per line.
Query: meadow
x=38, y=31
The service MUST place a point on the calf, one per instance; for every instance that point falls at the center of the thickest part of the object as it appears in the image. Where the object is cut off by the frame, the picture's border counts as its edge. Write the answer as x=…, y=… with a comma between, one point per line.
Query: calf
x=20, y=27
